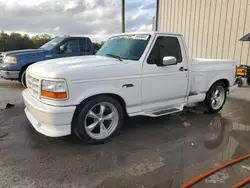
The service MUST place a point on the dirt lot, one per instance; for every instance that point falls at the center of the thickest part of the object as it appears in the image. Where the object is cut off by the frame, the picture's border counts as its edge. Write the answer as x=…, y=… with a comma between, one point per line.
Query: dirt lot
x=148, y=153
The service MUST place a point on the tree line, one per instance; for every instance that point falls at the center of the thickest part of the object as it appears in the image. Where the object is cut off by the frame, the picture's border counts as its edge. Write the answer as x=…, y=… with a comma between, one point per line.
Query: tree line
x=16, y=41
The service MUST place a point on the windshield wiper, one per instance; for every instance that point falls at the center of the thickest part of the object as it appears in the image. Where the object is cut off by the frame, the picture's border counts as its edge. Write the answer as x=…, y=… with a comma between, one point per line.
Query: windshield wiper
x=114, y=56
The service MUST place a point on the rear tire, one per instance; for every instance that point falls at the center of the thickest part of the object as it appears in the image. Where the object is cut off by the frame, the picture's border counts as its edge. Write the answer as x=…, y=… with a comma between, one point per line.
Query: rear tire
x=215, y=98
x=99, y=120
x=239, y=82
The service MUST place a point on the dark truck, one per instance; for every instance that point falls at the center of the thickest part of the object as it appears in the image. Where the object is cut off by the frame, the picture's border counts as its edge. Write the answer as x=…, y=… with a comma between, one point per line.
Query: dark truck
x=13, y=64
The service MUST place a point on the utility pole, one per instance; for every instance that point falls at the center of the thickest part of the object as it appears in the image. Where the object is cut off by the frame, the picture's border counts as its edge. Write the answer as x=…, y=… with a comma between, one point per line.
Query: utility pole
x=123, y=16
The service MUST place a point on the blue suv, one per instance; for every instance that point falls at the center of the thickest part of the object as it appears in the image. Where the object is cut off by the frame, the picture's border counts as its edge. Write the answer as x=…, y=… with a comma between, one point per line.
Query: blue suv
x=13, y=64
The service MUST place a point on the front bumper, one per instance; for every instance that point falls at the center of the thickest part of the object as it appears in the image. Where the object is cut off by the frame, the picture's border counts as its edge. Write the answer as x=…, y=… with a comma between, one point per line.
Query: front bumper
x=9, y=75
x=46, y=119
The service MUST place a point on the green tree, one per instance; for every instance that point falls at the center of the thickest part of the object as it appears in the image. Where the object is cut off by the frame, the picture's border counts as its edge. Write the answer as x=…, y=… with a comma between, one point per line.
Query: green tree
x=16, y=41
x=97, y=46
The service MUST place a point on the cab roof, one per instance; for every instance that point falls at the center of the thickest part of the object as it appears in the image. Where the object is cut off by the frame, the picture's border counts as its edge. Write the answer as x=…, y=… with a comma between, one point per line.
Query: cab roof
x=147, y=33
x=74, y=37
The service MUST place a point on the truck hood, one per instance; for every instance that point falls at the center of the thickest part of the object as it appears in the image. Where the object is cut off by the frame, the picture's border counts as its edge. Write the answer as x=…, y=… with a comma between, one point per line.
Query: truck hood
x=22, y=52
x=81, y=67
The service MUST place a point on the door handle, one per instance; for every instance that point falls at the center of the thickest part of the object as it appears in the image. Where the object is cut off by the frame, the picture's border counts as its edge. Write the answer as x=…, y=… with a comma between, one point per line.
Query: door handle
x=182, y=69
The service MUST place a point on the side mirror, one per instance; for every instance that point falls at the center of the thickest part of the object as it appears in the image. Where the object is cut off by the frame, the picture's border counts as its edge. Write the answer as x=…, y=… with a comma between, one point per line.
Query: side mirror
x=61, y=49
x=169, y=60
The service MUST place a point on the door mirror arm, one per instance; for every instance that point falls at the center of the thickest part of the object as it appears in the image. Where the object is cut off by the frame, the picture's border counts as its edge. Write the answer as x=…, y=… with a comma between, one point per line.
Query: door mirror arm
x=159, y=64
x=152, y=61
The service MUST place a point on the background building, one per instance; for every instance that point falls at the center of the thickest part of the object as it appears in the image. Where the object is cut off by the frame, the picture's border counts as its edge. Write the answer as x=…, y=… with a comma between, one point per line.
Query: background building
x=154, y=24
x=212, y=28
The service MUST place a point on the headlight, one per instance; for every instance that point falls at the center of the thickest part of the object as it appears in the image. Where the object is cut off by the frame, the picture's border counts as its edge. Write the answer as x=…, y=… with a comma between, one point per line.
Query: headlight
x=54, y=89
x=9, y=59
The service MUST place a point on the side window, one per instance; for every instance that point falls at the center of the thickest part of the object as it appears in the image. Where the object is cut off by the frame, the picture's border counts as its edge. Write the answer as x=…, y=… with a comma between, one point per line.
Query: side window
x=84, y=45
x=165, y=46
x=72, y=46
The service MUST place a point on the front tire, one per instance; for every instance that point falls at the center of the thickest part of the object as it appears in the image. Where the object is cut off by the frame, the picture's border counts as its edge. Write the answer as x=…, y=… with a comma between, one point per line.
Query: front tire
x=23, y=79
x=215, y=98
x=99, y=120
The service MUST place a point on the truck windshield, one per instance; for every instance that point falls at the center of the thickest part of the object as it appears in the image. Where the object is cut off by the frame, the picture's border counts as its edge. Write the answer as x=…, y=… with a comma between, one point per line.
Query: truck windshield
x=125, y=46
x=51, y=44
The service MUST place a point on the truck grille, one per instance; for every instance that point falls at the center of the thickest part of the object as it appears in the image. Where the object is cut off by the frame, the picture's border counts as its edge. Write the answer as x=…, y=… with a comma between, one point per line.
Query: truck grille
x=33, y=85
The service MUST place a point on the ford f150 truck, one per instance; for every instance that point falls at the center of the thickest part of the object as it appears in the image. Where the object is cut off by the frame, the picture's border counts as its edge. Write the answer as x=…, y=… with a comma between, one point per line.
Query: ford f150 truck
x=13, y=64
x=148, y=74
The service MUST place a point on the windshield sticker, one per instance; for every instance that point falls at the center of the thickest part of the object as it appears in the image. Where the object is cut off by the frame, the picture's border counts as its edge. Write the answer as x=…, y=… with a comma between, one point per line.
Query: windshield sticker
x=141, y=37
x=136, y=37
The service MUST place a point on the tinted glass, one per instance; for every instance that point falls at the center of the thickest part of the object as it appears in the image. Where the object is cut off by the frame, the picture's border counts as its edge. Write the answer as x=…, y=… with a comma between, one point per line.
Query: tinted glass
x=52, y=44
x=165, y=46
x=127, y=46
x=85, y=45
x=72, y=46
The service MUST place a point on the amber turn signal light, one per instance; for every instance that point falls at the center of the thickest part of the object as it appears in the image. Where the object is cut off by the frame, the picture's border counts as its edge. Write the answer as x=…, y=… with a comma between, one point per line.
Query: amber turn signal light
x=54, y=95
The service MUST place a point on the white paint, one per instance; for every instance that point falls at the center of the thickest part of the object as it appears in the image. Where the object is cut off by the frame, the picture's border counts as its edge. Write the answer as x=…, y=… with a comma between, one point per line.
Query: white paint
x=218, y=177
x=247, y=167
x=46, y=119
x=206, y=71
x=154, y=87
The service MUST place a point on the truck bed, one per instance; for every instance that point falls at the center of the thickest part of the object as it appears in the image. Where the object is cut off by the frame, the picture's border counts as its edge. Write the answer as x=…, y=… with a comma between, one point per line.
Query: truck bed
x=205, y=71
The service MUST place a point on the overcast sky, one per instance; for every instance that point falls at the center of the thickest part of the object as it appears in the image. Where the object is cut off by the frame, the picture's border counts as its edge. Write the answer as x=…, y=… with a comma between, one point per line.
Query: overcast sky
x=96, y=18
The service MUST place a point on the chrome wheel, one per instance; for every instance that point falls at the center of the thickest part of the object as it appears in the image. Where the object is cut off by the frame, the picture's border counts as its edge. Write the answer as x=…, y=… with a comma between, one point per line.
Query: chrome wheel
x=218, y=97
x=101, y=120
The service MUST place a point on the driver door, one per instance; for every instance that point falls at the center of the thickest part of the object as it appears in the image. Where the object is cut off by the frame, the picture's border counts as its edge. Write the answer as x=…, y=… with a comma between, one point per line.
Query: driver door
x=164, y=86
x=69, y=48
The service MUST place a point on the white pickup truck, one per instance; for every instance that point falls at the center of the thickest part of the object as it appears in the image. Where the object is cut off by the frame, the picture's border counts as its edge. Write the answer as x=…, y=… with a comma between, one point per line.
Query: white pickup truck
x=149, y=74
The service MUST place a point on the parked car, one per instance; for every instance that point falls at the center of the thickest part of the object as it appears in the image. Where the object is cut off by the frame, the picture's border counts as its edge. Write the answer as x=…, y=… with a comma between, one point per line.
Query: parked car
x=148, y=74
x=13, y=64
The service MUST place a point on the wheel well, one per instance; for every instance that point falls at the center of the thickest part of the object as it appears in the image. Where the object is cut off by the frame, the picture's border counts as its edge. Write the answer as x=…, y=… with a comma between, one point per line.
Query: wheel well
x=224, y=81
x=117, y=97
x=22, y=70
